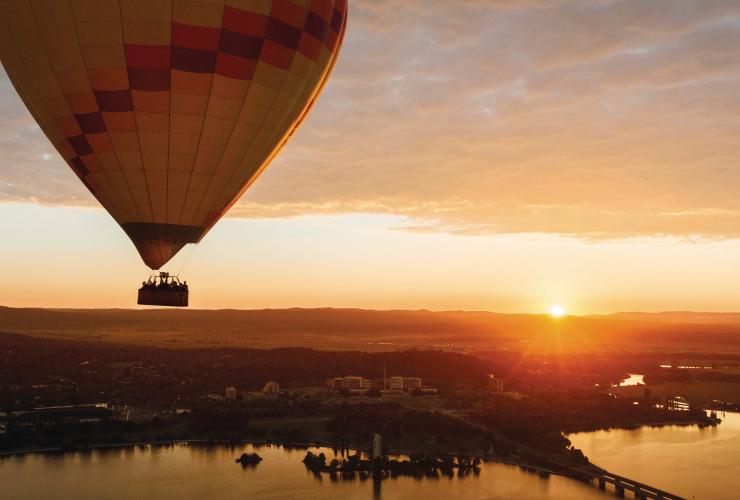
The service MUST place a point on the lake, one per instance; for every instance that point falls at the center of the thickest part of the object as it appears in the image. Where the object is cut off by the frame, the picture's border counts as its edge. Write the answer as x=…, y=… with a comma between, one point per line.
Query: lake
x=633, y=379
x=188, y=471
x=685, y=460
x=689, y=461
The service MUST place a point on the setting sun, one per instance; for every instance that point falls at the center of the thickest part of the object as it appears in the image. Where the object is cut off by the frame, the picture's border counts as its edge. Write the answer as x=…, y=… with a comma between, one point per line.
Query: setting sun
x=557, y=311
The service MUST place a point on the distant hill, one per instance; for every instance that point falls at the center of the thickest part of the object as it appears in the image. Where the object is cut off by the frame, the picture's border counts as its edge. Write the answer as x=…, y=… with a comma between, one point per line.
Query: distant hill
x=358, y=329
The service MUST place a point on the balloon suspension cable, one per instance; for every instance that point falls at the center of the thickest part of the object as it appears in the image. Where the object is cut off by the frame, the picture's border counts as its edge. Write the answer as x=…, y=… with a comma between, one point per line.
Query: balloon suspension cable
x=188, y=254
x=150, y=272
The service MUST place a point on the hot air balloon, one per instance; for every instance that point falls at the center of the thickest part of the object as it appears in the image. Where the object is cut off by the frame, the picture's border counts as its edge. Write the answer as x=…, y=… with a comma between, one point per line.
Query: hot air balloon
x=168, y=110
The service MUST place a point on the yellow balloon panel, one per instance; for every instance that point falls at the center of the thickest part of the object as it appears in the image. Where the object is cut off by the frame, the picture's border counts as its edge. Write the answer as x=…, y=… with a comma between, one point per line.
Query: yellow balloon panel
x=168, y=110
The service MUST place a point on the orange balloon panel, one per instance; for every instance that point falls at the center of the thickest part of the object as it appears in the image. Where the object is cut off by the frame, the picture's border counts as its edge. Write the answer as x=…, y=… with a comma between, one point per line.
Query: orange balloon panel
x=168, y=110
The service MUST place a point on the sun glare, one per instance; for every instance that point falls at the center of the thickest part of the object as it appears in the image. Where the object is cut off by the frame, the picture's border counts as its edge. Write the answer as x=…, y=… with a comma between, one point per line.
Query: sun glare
x=557, y=311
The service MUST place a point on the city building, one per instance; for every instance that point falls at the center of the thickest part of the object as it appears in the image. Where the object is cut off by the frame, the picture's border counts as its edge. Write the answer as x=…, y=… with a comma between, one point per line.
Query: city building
x=230, y=393
x=271, y=387
x=377, y=446
x=334, y=383
x=352, y=382
x=349, y=382
x=406, y=384
x=395, y=383
x=411, y=383
x=495, y=384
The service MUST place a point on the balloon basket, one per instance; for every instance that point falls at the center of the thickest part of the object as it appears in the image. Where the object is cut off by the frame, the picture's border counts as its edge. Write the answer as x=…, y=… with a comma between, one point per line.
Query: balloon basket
x=163, y=290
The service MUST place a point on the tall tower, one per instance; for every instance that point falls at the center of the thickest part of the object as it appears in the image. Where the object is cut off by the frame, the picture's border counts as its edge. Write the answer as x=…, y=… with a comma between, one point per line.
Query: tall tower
x=377, y=446
x=385, y=386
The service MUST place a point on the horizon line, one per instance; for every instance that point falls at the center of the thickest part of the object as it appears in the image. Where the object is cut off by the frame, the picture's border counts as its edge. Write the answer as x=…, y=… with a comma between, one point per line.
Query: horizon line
x=370, y=309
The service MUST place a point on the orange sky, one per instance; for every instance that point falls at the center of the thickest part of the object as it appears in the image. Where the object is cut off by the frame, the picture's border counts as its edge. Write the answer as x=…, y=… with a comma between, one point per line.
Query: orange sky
x=482, y=155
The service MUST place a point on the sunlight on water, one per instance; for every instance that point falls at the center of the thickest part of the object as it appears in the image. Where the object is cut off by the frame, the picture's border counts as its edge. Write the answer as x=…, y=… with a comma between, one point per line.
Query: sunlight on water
x=633, y=379
x=685, y=460
x=198, y=472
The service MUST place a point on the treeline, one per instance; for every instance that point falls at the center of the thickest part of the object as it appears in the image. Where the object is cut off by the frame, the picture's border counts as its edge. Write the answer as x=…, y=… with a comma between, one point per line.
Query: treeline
x=38, y=371
x=72, y=434
x=539, y=419
x=361, y=421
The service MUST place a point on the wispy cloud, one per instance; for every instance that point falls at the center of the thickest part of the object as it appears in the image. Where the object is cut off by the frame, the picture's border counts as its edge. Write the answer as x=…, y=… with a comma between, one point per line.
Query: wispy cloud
x=599, y=119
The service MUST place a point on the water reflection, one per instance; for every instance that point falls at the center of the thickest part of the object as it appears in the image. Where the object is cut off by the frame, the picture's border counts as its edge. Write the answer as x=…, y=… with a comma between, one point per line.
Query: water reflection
x=633, y=379
x=196, y=471
x=691, y=461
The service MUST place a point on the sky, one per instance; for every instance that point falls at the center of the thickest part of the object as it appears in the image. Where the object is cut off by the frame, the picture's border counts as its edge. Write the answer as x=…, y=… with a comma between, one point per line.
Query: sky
x=468, y=154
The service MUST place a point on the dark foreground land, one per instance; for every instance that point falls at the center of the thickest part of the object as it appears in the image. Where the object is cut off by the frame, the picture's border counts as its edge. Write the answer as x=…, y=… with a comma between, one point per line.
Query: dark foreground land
x=152, y=394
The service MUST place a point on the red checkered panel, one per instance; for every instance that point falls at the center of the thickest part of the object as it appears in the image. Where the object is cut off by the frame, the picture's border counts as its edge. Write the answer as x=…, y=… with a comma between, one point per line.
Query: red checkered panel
x=168, y=110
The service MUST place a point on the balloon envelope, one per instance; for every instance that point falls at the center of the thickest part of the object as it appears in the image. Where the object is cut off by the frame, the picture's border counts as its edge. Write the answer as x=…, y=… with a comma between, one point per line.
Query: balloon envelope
x=168, y=110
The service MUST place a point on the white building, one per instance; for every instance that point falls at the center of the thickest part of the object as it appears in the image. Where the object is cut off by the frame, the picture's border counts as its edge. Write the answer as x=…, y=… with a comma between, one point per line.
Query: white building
x=350, y=382
x=271, y=387
x=353, y=382
x=395, y=383
x=408, y=384
x=230, y=393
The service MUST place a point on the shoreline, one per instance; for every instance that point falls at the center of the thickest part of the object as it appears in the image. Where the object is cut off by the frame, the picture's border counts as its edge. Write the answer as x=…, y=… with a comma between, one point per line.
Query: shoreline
x=677, y=423
x=683, y=423
x=314, y=444
x=257, y=442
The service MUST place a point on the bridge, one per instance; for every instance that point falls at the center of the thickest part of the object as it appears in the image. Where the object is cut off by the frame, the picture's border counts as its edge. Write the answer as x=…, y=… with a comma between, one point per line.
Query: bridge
x=601, y=477
x=621, y=484
x=641, y=491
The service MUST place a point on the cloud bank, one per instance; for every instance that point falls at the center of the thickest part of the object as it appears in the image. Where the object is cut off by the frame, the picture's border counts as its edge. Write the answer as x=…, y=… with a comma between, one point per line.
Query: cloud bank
x=592, y=118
